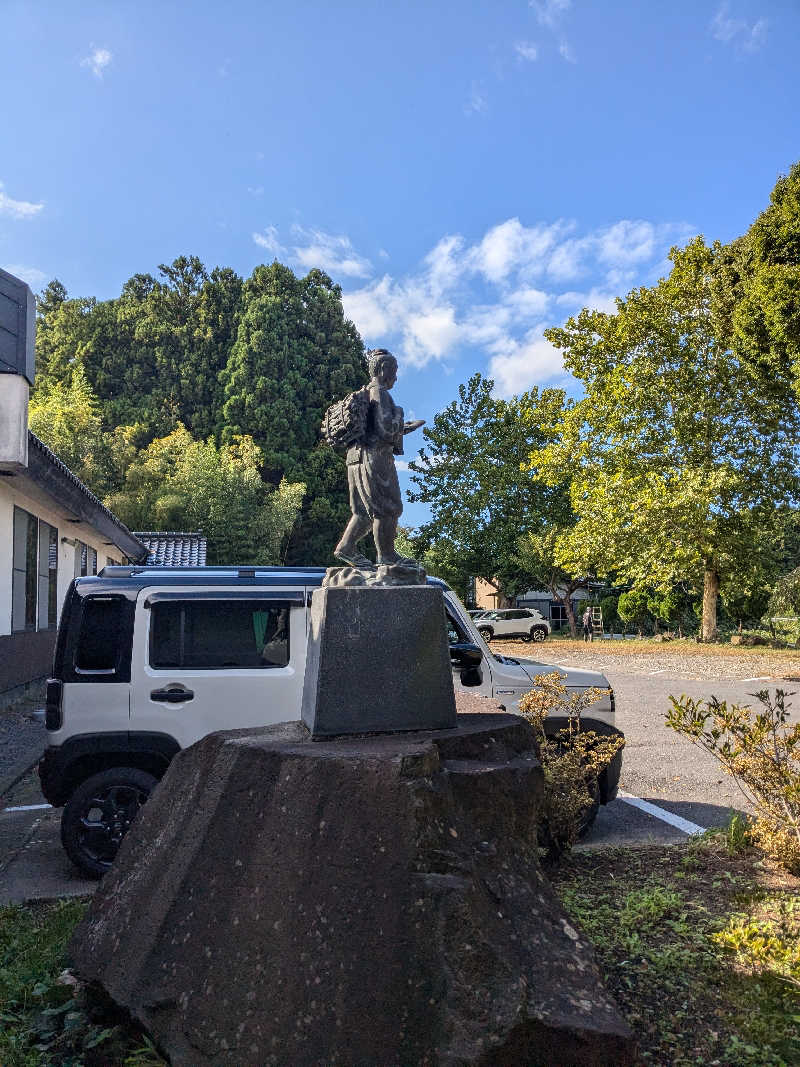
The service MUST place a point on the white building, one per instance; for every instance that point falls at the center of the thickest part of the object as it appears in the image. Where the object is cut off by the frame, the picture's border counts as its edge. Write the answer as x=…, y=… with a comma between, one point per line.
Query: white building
x=52, y=529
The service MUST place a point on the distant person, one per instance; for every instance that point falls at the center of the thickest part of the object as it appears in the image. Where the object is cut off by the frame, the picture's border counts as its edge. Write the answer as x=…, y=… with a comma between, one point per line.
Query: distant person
x=587, y=625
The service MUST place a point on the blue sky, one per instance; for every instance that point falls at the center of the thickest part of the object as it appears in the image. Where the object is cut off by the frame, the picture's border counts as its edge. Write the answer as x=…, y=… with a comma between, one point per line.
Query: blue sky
x=469, y=172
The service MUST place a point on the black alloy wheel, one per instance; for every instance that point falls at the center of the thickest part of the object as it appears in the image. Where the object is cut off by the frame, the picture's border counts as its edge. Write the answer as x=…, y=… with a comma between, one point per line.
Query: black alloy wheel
x=99, y=814
x=486, y=632
x=538, y=634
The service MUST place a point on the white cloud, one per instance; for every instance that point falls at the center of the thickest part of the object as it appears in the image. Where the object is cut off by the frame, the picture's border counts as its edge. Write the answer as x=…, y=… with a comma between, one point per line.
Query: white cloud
x=744, y=36
x=526, y=50
x=331, y=253
x=17, y=209
x=549, y=12
x=477, y=102
x=32, y=275
x=97, y=61
x=255, y=190
x=269, y=241
x=530, y=362
x=497, y=293
x=566, y=52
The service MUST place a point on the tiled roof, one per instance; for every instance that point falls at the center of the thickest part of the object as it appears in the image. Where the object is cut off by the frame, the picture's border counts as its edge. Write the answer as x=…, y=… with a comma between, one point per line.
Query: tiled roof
x=55, y=477
x=169, y=548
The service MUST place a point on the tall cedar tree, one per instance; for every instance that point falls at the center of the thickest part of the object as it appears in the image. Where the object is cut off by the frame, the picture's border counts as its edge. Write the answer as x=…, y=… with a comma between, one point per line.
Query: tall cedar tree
x=295, y=353
x=682, y=451
x=470, y=472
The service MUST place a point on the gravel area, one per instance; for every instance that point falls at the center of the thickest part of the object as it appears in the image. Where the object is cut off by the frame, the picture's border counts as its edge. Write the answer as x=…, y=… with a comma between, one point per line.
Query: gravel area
x=680, y=659
x=20, y=733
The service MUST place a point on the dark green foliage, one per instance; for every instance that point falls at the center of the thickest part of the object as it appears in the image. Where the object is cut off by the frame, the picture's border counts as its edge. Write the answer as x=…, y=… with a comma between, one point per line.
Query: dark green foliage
x=220, y=359
x=470, y=473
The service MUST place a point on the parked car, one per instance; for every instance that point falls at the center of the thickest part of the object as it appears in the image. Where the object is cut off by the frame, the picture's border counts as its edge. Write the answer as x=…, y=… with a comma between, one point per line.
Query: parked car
x=526, y=623
x=477, y=613
x=150, y=660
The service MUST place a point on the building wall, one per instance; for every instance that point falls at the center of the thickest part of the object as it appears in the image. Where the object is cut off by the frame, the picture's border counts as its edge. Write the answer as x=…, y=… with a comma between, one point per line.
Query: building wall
x=22, y=653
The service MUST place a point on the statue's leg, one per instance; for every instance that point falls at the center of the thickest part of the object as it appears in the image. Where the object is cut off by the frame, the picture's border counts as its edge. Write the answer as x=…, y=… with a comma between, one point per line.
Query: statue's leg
x=346, y=550
x=384, y=530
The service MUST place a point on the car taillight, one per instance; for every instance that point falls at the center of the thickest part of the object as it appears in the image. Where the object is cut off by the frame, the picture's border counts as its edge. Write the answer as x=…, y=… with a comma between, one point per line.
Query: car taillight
x=53, y=717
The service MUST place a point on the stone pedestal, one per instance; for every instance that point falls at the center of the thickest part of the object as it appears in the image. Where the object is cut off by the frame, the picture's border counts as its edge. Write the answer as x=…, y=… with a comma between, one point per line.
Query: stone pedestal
x=368, y=901
x=378, y=661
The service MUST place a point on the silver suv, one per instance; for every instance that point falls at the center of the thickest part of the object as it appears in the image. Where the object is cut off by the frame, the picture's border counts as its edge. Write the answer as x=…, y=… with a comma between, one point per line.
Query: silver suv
x=526, y=623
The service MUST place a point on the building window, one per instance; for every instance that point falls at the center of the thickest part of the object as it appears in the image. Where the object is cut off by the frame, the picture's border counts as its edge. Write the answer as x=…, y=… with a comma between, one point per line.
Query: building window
x=48, y=576
x=34, y=586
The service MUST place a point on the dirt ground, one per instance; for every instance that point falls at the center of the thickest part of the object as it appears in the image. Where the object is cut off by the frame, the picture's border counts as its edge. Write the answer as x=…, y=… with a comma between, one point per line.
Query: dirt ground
x=686, y=659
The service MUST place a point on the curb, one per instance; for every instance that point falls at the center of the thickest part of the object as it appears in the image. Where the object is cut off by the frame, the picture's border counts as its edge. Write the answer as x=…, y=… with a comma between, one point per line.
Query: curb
x=18, y=769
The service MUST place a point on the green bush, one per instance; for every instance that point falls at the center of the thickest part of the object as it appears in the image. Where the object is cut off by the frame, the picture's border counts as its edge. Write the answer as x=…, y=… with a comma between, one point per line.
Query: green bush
x=761, y=751
x=573, y=760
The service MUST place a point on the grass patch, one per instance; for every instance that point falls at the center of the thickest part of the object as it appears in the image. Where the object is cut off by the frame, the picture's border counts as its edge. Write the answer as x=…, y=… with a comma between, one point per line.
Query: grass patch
x=46, y=1019
x=699, y=945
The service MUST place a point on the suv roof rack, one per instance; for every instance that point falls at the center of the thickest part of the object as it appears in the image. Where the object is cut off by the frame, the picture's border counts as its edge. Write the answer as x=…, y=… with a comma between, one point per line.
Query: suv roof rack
x=237, y=570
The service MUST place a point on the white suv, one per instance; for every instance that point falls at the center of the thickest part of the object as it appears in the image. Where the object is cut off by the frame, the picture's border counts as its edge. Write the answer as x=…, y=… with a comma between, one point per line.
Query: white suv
x=150, y=660
x=526, y=623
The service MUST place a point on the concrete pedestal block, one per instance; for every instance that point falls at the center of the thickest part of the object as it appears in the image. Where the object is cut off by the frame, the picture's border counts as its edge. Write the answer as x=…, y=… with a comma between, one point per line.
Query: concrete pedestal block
x=367, y=901
x=378, y=661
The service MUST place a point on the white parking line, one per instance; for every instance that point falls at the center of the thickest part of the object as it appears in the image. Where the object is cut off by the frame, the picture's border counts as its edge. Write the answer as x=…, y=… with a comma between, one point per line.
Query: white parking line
x=684, y=825
x=26, y=807
x=760, y=678
x=661, y=671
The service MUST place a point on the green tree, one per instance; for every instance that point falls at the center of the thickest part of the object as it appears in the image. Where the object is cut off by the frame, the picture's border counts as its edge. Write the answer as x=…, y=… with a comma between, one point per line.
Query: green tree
x=470, y=473
x=180, y=483
x=634, y=607
x=763, y=271
x=67, y=418
x=295, y=353
x=681, y=453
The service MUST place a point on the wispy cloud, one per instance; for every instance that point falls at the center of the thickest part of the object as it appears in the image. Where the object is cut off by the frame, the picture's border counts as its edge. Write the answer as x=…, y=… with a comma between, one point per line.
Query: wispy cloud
x=566, y=52
x=498, y=292
x=17, y=209
x=268, y=240
x=549, y=12
x=97, y=61
x=742, y=35
x=477, y=102
x=330, y=252
x=32, y=275
x=527, y=50
x=255, y=190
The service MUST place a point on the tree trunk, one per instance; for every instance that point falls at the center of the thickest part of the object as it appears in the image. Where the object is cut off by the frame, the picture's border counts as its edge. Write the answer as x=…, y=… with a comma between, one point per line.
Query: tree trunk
x=566, y=603
x=708, y=631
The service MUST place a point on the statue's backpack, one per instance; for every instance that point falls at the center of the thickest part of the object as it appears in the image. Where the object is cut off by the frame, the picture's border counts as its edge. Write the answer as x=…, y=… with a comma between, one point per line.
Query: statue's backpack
x=345, y=422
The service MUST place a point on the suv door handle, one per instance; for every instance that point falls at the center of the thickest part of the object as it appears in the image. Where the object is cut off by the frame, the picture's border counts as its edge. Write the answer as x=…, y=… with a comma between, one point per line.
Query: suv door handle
x=172, y=696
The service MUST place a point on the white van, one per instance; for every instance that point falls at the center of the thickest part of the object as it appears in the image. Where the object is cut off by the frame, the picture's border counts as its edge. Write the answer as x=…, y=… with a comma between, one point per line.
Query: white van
x=150, y=660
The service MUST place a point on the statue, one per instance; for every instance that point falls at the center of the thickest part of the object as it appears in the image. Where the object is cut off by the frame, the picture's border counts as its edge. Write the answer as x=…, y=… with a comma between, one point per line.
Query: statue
x=372, y=426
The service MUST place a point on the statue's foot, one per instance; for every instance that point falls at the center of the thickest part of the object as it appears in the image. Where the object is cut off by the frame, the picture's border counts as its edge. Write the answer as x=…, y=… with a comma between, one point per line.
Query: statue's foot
x=354, y=559
x=399, y=561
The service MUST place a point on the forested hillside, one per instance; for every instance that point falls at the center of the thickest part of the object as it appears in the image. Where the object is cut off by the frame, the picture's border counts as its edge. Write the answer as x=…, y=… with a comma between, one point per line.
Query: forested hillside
x=194, y=399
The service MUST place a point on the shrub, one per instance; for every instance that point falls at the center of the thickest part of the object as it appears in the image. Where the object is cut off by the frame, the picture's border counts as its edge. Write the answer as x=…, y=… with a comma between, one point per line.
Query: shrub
x=572, y=760
x=761, y=750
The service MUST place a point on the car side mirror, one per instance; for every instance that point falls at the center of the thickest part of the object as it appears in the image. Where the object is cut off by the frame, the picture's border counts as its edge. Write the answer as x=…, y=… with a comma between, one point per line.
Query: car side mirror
x=466, y=654
x=471, y=676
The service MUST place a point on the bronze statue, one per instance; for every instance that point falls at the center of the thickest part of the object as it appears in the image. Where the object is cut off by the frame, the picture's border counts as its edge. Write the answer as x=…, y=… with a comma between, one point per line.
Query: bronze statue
x=375, y=499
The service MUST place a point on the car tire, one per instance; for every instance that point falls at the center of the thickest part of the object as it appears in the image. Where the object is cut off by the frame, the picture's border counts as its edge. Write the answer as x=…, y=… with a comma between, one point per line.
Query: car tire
x=486, y=632
x=538, y=634
x=99, y=814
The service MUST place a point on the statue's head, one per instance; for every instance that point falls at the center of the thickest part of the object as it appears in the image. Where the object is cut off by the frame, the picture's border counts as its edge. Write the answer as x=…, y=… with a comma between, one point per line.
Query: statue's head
x=382, y=366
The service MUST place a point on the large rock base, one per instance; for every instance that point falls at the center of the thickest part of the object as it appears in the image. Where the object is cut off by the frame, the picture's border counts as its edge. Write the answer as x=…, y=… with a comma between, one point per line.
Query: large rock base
x=356, y=902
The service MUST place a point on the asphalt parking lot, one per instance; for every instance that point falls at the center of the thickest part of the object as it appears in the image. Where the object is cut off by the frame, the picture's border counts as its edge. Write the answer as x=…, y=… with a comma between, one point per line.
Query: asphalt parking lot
x=669, y=788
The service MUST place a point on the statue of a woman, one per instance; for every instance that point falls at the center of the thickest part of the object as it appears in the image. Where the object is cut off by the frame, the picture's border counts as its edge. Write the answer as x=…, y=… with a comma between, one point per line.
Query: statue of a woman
x=375, y=499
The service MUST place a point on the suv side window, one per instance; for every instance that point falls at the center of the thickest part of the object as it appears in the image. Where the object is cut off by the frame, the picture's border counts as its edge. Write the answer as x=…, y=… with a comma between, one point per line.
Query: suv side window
x=100, y=637
x=217, y=634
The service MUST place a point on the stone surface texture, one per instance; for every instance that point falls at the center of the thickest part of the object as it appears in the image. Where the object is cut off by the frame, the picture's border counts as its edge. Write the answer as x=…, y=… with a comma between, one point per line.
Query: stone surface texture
x=378, y=660
x=370, y=901
x=407, y=573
